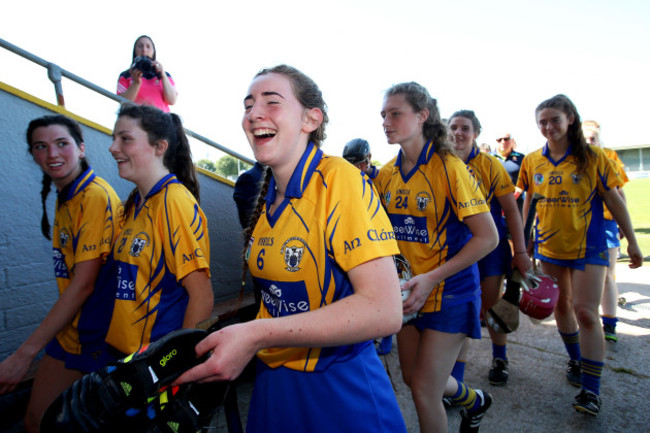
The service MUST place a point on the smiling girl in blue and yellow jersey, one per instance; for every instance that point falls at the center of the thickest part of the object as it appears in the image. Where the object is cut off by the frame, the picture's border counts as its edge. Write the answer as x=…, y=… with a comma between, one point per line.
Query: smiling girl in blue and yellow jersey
x=161, y=276
x=86, y=224
x=497, y=187
x=320, y=248
x=575, y=179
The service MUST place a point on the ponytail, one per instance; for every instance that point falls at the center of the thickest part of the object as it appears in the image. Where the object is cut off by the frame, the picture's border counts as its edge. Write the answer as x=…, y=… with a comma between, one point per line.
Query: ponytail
x=433, y=129
x=178, y=159
x=169, y=127
x=581, y=149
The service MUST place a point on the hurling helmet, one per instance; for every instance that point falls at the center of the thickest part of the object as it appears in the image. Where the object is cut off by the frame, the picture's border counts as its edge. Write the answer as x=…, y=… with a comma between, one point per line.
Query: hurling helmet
x=539, y=295
x=356, y=150
x=403, y=267
x=404, y=273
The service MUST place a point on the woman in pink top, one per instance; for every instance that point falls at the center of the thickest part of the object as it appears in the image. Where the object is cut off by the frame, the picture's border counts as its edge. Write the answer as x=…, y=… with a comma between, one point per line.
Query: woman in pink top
x=146, y=82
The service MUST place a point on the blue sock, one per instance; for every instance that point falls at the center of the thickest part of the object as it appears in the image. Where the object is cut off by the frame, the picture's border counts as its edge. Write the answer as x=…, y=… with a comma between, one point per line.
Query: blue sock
x=591, y=372
x=572, y=344
x=458, y=372
x=608, y=320
x=466, y=397
x=499, y=351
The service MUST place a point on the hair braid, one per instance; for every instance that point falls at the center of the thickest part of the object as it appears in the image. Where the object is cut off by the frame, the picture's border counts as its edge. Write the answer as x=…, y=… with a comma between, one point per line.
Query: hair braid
x=248, y=232
x=45, y=191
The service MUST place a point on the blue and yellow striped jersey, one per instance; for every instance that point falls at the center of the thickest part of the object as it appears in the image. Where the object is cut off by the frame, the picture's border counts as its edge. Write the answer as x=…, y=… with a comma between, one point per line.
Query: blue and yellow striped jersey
x=164, y=239
x=330, y=221
x=86, y=225
x=569, y=223
x=427, y=207
x=613, y=156
x=494, y=181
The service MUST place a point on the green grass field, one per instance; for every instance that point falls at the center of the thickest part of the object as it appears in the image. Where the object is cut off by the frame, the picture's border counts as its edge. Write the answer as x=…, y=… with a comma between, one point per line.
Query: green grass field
x=637, y=193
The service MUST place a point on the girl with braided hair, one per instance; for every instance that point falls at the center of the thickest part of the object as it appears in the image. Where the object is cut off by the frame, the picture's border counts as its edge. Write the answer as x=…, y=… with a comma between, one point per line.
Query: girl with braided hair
x=320, y=248
x=86, y=224
x=443, y=226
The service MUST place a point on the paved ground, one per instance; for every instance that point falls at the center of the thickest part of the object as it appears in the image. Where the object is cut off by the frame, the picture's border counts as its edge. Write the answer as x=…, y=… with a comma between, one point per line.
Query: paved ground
x=537, y=397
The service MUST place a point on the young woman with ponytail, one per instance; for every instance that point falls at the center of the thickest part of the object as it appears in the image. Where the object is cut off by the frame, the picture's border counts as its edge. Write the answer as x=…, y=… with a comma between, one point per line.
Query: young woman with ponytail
x=320, y=248
x=575, y=179
x=86, y=223
x=161, y=258
x=497, y=187
x=443, y=226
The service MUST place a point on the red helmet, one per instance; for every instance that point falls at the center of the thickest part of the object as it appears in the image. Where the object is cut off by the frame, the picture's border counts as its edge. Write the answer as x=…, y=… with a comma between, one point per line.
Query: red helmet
x=538, y=295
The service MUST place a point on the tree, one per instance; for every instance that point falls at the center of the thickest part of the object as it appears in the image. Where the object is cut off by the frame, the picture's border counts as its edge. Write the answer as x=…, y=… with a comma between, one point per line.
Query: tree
x=227, y=167
x=206, y=164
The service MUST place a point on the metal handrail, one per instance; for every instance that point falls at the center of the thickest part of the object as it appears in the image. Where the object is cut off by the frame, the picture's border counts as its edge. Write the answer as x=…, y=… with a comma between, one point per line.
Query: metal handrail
x=55, y=73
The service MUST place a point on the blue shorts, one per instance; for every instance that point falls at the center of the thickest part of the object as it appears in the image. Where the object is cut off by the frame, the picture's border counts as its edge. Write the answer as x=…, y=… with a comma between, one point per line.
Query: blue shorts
x=351, y=395
x=600, y=259
x=611, y=234
x=496, y=262
x=462, y=318
x=89, y=359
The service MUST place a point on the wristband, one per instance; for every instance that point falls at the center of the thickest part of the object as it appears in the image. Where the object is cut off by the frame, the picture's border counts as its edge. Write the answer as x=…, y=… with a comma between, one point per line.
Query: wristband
x=521, y=252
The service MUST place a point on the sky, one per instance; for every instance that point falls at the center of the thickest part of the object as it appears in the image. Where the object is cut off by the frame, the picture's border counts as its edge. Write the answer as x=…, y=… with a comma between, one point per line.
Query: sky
x=500, y=58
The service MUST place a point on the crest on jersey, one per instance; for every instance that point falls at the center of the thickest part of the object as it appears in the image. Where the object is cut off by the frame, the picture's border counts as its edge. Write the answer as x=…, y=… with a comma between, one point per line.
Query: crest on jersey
x=422, y=200
x=293, y=249
x=140, y=242
x=387, y=198
x=538, y=178
x=576, y=178
x=63, y=237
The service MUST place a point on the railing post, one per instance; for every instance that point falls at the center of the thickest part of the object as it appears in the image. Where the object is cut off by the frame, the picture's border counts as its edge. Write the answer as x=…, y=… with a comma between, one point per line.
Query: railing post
x=54, y=74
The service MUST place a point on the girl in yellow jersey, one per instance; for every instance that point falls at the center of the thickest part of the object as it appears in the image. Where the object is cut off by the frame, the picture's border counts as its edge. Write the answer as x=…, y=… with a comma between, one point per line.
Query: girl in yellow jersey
x=574, y=179
x=497, y=187
x=320, y=248
x=86, y=224
x=161, y=279
x=608, y=304
x=443, y=226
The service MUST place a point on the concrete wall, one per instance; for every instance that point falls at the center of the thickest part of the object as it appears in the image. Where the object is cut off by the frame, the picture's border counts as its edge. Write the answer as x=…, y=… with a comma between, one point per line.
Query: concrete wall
x=27, y=286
